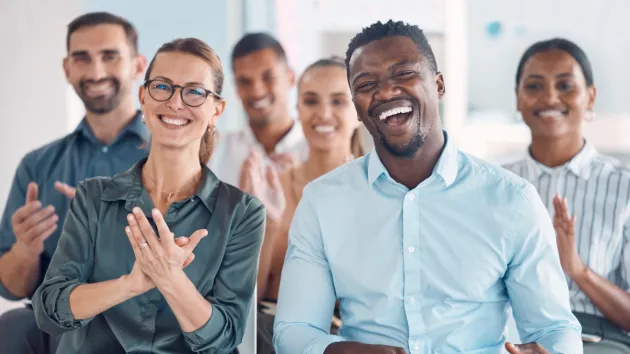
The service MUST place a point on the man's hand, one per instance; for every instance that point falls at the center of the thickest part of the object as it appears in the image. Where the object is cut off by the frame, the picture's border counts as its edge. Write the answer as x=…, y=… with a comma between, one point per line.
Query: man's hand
x=65, y=189
x=361, y=348
x=32, y=225
x=529, y=348
x=264, y=184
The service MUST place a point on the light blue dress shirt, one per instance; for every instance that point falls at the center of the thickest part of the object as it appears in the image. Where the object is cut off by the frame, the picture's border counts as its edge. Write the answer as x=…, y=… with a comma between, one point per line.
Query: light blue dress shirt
x=435, y=269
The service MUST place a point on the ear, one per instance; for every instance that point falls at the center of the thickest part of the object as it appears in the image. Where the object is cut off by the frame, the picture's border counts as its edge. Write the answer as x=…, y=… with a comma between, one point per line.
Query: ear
x=441, y=87
x=592, y=94
x=66, y=68
x=219, y=107
x=140, y=66
x=141, y=93
x=291, y=77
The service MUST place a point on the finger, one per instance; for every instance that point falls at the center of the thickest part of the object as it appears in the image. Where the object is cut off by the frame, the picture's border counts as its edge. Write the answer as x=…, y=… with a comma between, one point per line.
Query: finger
x=134, y=245
x=147, y=230
x=38, y=217
x=47, y=232
x=195, y=238
x=511, y=348
x=38, y=230
x=188, y=260
x=165, y=233
x=181, y=241
x=272, y=177
x=25, y=211
x=65, y=189
x=31, y=192
x=137, y=234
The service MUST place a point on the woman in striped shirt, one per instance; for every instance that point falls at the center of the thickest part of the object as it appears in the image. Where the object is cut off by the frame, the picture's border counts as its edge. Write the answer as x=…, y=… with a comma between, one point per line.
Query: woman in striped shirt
x=586, y=193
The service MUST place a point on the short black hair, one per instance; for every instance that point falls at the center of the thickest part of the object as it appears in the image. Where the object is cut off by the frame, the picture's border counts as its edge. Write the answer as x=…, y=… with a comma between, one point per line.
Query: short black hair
x=561, y=44
x=253, y=42
x=381, y=30
x=103, y=18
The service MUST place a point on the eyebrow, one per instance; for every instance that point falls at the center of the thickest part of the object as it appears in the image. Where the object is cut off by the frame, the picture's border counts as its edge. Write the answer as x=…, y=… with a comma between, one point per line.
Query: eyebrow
x=311, y=93
x=79, y=53
x=164, y=78
x=535, y=76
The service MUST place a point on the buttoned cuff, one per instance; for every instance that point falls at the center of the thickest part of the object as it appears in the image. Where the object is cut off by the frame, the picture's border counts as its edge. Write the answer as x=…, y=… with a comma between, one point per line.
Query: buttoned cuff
x=319, y=345
x=207, y=333
x=62, y=313
x=5, y=293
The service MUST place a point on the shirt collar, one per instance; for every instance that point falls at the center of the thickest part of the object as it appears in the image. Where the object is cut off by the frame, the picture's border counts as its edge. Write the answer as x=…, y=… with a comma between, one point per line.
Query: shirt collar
x=580, y=164
x=446, y=167
x=128, y=186
x=288, y=142
x=135, y=127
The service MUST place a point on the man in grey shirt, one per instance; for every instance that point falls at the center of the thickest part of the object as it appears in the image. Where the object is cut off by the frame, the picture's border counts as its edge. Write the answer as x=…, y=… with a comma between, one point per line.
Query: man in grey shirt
x=102, y=65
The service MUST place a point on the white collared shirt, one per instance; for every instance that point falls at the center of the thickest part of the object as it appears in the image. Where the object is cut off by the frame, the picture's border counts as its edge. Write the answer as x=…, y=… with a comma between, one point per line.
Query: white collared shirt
x=232, y=150
x=597, y=188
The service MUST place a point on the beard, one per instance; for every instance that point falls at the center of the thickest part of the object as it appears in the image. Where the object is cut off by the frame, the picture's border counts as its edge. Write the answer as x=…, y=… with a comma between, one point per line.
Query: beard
x=408, y=150
x=100, y=104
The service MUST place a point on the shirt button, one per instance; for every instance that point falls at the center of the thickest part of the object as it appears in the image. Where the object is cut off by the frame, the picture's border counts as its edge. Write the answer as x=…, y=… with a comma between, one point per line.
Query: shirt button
x=412, y=300
x=105, y=149
x=412, y=197
x=416, y=346
x=411, y=249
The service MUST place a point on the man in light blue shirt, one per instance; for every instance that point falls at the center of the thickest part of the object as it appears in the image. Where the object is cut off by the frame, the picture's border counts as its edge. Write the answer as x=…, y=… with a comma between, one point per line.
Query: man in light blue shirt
x=427, y=248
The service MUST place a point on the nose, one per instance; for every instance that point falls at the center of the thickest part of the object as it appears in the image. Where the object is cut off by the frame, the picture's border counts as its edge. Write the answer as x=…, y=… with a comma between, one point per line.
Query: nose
x=325, y=111
x=387, y=91
x=96, y=70
x=257, y=89
x=551, y=96
x=175, y=102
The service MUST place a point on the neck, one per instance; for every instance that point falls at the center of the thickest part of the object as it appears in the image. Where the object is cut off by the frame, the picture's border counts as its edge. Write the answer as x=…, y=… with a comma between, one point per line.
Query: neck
x=171, y=175
x=557, y=151
x=106, y=127
x=269, y=135
x=320, y=162
x=411, y=172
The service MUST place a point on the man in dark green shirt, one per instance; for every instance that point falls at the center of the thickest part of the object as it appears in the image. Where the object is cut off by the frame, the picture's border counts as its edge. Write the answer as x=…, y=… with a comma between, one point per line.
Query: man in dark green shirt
x=102, y=65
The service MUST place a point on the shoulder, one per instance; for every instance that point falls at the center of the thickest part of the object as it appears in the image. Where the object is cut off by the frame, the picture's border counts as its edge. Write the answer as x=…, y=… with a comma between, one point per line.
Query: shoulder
x=48, y=152
x=612, y=167
x=514, y=166
x=345, y=178
x=237, y=203
x=490, y=174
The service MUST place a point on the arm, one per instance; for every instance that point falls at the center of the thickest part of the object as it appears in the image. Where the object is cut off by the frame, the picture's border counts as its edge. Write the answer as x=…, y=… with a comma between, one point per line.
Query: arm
x=19, y=273
x=69, y=268
x=266, y=255
x=228, y=303
x=307, y=295
x=535, y=282
x=612, y=301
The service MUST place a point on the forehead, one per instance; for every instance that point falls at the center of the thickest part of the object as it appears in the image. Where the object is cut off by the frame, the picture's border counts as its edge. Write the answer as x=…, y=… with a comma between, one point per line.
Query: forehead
x=324, y=79
x=258, y=62
x=383, y=52
x=182, y=68
x=99, y=37
x=552, y=62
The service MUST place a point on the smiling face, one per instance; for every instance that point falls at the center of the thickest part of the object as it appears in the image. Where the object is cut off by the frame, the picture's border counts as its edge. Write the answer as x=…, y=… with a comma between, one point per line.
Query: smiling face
x=263, y=81
x=396, y=94
x=325, y=108
x=102, y=66
x=173, y=123
x=552, y=95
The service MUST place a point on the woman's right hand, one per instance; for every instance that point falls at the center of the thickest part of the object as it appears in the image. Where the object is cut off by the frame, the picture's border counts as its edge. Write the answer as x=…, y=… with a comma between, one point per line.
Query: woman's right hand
x=139, y=283
x=264, y=184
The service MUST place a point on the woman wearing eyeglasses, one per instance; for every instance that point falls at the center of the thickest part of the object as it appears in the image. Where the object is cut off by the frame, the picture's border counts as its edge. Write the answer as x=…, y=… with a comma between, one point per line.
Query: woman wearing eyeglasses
x=123, y=278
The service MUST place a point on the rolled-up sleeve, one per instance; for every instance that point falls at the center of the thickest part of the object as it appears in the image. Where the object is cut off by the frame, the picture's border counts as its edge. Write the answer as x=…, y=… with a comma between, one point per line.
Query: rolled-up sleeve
x=17, y=198
x=69, y=267
x=307, y=296
x=624, y=266
x=535, y=281
x=234, y=286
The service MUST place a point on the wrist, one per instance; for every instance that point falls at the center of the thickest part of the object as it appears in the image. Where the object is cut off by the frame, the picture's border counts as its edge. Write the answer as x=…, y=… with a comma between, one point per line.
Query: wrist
x=579, y=274
x=170, y=283
x=22, y=253
x=130, y=287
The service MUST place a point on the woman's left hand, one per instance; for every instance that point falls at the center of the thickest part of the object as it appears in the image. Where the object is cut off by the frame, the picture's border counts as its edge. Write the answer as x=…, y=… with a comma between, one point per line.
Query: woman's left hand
x=160, y=258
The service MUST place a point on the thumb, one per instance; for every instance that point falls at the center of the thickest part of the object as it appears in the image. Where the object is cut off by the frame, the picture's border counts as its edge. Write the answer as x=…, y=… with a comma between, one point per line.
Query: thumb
x=194, y=239
x=31, y=192
x=181, y=241
x=511, y=348
x=65, y=189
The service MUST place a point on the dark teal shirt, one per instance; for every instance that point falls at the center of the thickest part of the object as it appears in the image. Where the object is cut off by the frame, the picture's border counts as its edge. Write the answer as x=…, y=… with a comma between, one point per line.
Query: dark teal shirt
x=94, y=248
x=71, y=159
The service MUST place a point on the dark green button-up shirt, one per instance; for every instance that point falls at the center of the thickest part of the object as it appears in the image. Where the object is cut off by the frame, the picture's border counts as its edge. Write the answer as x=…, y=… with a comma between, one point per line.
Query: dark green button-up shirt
x=71, y=159
x=94, y=247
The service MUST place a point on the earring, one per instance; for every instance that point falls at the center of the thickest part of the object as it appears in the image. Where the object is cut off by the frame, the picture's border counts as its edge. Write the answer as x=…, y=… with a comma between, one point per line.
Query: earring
x=519, y=116
x=212, y=129
x=590, y=115
x=144, y=120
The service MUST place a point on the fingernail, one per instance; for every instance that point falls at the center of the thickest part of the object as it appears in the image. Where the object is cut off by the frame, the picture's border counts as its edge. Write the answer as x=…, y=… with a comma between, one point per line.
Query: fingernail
x=136, y=210
x=156, y=213
x=51, y=208
x=127, y=229
x=131, y=218
x=38, y=204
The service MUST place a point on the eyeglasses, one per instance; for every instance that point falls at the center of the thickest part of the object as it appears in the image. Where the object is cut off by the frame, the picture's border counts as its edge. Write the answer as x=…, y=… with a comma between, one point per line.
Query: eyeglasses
x=192, y=95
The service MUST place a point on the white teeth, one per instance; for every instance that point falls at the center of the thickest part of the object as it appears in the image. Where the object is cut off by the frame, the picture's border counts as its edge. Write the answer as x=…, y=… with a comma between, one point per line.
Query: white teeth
x=551, y=114
x=324, y=129
x=394, y=111
x=174, y=121
x=261, y=103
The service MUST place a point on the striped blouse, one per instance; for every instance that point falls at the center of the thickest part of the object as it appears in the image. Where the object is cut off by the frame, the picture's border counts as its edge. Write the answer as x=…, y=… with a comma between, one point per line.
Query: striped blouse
x=597, y=188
